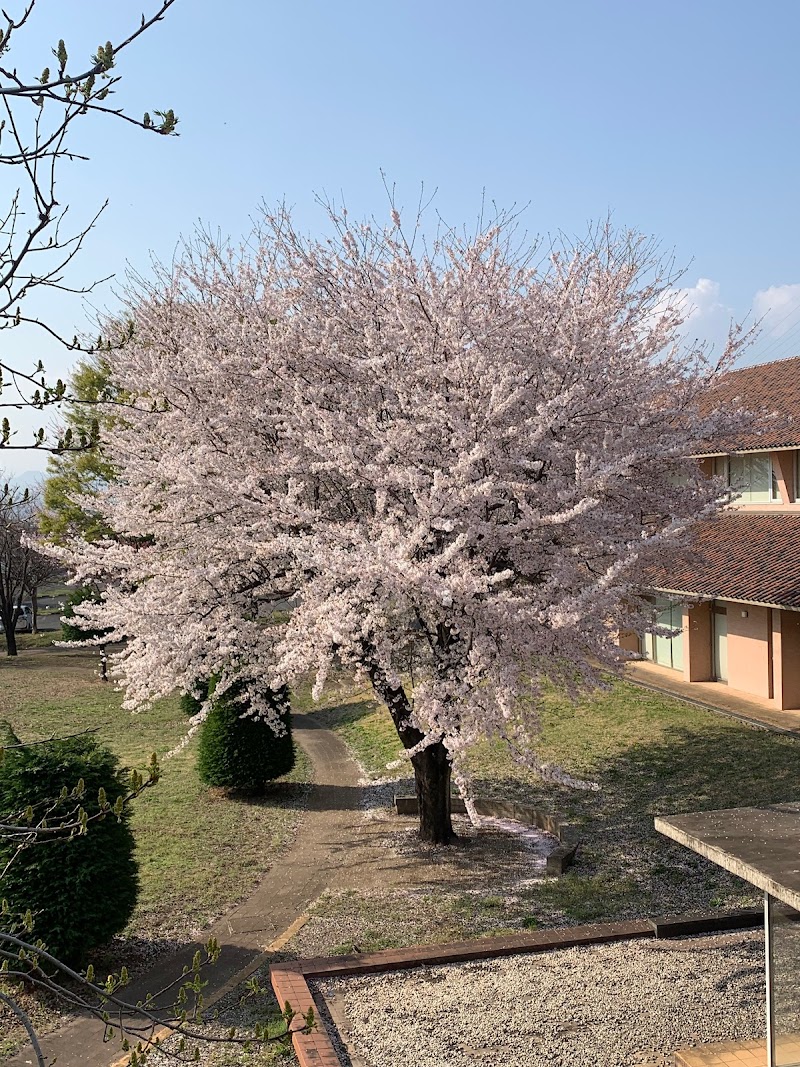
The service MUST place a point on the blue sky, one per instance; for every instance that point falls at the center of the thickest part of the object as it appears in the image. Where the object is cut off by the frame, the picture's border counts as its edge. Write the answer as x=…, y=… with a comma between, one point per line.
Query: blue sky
x=679, y=119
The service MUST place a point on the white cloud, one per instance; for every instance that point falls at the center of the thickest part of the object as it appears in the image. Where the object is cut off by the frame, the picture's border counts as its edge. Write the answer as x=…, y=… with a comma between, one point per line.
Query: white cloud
x=707, y=318
x=701, y=301
x=779, y=308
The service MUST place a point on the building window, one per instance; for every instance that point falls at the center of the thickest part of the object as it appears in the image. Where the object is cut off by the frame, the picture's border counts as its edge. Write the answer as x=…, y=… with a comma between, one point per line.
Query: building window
x=666, y=651
x=751, y=476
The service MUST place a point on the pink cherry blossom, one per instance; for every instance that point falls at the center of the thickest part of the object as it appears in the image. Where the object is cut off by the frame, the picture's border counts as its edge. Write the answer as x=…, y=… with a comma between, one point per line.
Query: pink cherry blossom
x=456, y=459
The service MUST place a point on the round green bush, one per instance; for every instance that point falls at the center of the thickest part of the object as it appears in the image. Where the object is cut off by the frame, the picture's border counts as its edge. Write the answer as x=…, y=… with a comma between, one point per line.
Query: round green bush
x=190, y=704
x=80, y=891
x=244, y=753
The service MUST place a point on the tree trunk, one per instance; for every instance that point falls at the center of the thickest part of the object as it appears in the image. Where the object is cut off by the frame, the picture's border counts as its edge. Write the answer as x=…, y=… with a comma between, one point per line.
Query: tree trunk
x=432, y=767
x=34, y=610
x=432, y=772
x=11, y=640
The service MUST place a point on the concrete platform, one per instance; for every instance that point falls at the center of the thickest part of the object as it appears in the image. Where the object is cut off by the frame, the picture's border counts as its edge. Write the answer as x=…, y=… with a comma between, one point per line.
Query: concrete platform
x=761, y=845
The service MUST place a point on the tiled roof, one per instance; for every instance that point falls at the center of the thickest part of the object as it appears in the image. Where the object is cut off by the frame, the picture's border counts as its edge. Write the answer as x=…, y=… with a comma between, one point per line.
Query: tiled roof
x=742, y=556
x=767, y=387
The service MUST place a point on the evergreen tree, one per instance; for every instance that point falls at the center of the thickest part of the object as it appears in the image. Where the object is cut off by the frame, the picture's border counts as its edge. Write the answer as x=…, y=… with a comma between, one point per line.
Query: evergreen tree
x=76, y=473
x=80, y=889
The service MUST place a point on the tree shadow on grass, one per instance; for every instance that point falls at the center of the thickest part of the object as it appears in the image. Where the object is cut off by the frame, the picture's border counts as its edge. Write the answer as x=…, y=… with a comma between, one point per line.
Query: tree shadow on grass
x=624, y=868
x=310, y=796
x=273, y=795
x=336, y=714
x=719, y=766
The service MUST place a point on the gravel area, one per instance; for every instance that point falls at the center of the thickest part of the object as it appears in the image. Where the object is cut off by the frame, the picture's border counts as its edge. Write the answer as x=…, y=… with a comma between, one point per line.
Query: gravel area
x=238, y=1012
x=621, y=1005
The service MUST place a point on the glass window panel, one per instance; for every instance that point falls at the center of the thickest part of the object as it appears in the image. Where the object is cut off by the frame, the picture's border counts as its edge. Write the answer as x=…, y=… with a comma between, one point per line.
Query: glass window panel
x=753, y=478
x=668, y=651
x=677, y=640
x=760, y=477
x=739, y=477
x=776, y=493
x=783, y=995
x=662, y=644
x=720, y=644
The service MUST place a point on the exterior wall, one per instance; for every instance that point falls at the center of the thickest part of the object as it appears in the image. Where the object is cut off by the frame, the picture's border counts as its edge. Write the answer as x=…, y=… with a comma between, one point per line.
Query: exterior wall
x=786, y=659
x=629, y=640
x=749, y=649
x=763, y=650
x=783, y=466
x=698, y=660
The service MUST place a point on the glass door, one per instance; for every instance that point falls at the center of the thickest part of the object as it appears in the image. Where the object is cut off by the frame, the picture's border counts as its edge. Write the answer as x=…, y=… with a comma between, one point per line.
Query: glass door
x=668, y=651
x=720, y=616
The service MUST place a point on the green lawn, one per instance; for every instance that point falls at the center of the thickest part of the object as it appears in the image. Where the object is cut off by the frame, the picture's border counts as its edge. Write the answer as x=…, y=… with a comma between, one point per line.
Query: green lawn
x=199, y=850
x=650, y=754
x=40, y=640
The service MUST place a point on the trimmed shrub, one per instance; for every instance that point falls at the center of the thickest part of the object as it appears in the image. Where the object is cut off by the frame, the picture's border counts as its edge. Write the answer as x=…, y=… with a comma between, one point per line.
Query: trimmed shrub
x=81, y=891
x=191, y=705
x=244, y=753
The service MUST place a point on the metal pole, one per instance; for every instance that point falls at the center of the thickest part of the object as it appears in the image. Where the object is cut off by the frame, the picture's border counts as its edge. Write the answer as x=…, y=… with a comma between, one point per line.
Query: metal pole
x=768, y=961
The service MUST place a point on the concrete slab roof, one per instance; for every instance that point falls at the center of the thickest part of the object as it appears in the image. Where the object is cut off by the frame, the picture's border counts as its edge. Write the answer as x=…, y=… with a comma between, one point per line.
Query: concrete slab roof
x=761, y=845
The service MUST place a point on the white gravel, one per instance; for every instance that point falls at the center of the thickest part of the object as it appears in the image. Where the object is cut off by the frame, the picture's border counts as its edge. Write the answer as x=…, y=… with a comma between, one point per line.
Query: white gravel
x=620, y=1005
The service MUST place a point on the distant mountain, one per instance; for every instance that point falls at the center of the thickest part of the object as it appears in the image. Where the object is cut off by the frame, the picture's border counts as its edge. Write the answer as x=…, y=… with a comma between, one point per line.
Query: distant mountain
x=30, y=480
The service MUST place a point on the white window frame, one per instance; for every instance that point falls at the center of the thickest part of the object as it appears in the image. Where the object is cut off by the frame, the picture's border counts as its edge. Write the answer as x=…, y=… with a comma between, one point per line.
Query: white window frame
x=774, y=495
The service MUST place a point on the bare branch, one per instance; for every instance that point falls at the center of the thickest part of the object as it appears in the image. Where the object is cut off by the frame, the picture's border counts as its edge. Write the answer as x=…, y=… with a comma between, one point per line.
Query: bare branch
x=34, y=252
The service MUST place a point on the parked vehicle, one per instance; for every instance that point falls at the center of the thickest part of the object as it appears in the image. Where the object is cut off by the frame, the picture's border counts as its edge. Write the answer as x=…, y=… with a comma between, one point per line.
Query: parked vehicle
x=24, y=620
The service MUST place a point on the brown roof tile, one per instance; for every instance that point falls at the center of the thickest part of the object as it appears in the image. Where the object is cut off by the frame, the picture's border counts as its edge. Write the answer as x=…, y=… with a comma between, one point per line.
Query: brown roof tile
x=768, y=388
x=742, y=556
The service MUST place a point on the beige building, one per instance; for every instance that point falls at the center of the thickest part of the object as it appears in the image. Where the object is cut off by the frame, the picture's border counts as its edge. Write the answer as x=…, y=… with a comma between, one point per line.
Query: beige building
x=736, y=598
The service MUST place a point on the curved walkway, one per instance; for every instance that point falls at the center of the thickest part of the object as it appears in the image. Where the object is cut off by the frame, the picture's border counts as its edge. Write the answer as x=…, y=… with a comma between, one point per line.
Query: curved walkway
x=326, y=840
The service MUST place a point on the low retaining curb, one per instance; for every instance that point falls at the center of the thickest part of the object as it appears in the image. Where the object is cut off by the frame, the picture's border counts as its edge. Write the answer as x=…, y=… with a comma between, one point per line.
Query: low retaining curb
x=290, y=980
x=559, y=859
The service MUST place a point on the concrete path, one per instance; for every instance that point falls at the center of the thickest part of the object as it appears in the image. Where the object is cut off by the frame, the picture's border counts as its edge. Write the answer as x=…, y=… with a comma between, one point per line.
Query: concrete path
x=327, y=839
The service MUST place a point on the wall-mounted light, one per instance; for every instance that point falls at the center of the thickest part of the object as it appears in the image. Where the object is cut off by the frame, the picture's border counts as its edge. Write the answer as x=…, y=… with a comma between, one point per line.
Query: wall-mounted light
x=744, y=614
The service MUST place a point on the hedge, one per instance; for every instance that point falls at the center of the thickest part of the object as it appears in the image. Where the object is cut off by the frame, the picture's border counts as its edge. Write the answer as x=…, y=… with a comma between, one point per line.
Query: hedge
x=83, y=890
x=244, y=753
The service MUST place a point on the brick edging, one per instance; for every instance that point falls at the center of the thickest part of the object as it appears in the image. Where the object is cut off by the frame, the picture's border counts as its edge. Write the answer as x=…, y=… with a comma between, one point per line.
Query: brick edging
x=290, y=980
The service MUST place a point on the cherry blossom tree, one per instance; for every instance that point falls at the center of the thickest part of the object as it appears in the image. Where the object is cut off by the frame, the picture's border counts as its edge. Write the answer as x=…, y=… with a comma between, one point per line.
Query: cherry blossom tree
x=458, y=457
